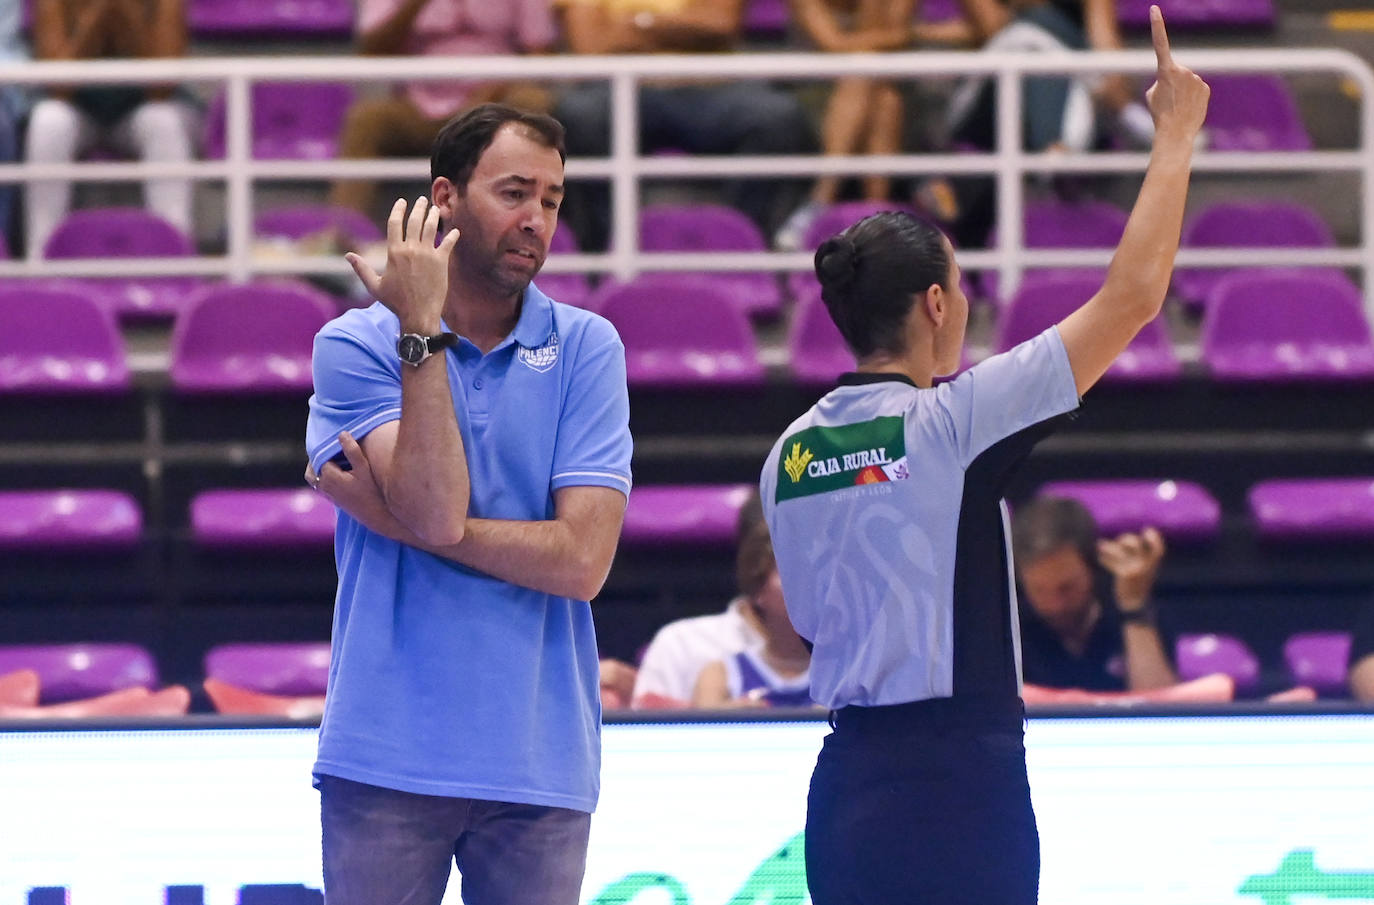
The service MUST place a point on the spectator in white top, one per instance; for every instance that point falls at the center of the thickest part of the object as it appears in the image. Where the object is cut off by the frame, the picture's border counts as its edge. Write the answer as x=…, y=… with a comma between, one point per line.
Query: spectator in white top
x=681, y=649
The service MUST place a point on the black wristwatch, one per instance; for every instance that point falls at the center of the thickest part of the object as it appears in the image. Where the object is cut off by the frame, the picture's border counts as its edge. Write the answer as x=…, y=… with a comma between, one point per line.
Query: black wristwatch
x=1145, y=615
x=414, y=348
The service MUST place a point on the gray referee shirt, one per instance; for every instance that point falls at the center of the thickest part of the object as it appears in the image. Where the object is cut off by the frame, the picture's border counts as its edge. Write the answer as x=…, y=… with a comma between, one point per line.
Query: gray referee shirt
x=884, y=505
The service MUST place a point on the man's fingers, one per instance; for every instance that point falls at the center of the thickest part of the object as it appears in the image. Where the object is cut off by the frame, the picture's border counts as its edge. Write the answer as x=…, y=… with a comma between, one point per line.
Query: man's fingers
x=431, y=228
x=395, y=221
x=450, y=240
x=370, y=280
x=1154, y=542
x=352, y=451
x=417, y=219
x=310, y=477
x=1159, y=37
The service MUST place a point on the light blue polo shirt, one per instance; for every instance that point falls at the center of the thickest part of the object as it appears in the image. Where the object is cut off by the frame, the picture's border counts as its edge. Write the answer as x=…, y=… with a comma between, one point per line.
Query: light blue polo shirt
x=445, y=681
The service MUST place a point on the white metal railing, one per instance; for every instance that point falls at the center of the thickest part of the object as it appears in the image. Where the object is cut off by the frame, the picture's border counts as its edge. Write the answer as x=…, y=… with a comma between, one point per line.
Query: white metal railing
x=625, y=168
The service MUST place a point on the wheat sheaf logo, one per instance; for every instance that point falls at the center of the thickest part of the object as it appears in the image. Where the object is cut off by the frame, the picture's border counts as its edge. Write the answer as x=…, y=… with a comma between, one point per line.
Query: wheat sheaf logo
x=796, y=462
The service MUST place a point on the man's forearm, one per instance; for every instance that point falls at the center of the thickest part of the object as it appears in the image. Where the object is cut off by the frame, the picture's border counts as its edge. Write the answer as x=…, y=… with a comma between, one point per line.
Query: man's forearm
x=545, y=556
x=1147, y=665
x=427, y=488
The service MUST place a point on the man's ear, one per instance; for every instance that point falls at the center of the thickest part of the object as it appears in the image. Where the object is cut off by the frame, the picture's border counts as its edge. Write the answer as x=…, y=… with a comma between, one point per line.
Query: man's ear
x=937, y=305
x=444, y=195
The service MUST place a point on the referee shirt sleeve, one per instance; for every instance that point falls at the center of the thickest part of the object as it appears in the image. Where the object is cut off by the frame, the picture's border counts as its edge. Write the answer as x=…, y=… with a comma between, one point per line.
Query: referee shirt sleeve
x=1008, y=393
x=593, y=446
x=355, y=391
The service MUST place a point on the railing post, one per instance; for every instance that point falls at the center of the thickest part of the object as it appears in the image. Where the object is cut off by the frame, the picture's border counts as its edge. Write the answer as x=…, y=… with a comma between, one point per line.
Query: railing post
x=1010, y=180
x=238, y=152
x=625, y=182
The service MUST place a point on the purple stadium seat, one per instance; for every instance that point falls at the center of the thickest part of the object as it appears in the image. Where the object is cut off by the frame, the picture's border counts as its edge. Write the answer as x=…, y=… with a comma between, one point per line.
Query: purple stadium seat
x=86, y=355
x=1064, y=224
x=681, y=333
x=250, y=338
x=713, y=227
x=127, y=232
x=68, y=521
x=1203, y=655
x=68, y=672
x=833, y=220
x=1199, y=13
x=1265, y=224
x=1253, y=113
x=1313, y=509
x=270, y=18
x=301, y=220
x=1319, y=660
x=1281, y=326
x=276, y=668
x=569, y=288
x=1048, y=299
x=1180, y=510
x=695, y=515
x=939, y=11
x=766, y=18
x=291, y=120
x=271, y=519
x=816, y=352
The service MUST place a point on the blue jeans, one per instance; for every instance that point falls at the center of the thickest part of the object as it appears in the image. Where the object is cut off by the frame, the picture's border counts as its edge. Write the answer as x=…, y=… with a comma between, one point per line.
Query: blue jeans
x=383, y=847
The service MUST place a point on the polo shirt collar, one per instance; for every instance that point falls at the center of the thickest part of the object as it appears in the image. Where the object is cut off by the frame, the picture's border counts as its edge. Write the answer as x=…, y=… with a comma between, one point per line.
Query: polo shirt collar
x=861, y=378
x=535, y=325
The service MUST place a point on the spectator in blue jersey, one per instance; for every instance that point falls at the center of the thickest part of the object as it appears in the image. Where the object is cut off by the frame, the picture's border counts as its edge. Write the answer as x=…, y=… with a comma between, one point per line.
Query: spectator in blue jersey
x=1088, y=615
x=884, y=505
x=774, y=672
x=485, y=429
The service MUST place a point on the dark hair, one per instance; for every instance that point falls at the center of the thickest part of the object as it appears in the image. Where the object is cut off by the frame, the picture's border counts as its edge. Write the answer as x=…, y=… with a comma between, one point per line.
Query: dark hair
x=871, y=273
x=754, y=560
x=1047, y=524
x=463, y=139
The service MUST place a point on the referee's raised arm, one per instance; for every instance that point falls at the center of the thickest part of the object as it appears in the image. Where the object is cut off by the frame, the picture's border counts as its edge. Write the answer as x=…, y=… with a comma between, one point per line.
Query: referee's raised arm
x=1138, y=278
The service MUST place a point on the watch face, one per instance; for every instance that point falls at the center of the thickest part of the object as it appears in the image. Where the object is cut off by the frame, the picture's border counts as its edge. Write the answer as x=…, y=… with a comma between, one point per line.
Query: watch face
x=412, y=348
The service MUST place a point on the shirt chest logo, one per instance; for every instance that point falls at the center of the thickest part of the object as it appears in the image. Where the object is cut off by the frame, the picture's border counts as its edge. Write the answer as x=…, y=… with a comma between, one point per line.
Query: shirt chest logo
x=540, y=358
x=823, y=459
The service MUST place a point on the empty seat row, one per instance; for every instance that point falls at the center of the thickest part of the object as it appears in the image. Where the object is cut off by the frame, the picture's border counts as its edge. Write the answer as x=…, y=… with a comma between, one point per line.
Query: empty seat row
x=1305, y=509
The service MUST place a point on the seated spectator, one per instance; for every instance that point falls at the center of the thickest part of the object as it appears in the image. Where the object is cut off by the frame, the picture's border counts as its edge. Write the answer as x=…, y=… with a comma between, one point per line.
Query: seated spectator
x=1087, y=617
x=775, y=673
x=680, y=650
x=1058, y=113
x=1362, y=657
x=405, y=123
x=155, y=123
x=744, y=116
x=863, y=115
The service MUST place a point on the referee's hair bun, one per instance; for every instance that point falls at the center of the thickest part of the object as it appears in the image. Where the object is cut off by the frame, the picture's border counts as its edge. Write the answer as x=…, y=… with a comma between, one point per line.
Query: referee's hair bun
x=837, y=263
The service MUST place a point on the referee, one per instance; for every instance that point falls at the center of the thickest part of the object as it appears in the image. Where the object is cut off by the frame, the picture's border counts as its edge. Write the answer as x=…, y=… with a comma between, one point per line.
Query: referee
x=884, y=504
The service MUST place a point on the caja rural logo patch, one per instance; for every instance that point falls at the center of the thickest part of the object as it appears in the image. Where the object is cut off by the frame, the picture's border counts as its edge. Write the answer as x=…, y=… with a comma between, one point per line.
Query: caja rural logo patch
x=821, y=459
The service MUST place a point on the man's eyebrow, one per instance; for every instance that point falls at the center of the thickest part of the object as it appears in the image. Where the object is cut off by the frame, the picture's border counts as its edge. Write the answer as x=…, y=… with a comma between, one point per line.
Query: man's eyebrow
x=529, y=182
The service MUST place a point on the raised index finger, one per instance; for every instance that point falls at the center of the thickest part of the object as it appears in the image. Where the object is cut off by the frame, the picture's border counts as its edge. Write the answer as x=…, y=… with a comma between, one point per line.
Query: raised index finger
x=1159, y=37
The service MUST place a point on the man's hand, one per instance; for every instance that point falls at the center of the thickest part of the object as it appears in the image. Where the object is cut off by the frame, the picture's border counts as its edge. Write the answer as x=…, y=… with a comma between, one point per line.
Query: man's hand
x=355, y=491
x=1133, y=560
x=416, y=279
x=1178, y=98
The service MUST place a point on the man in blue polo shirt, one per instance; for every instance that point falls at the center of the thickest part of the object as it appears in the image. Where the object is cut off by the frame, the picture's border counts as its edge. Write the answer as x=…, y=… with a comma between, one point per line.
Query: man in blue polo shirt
x=485, y=433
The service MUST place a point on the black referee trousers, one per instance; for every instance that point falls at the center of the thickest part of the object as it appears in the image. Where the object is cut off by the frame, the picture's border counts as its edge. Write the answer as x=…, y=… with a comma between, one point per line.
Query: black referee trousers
x=923, y=804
